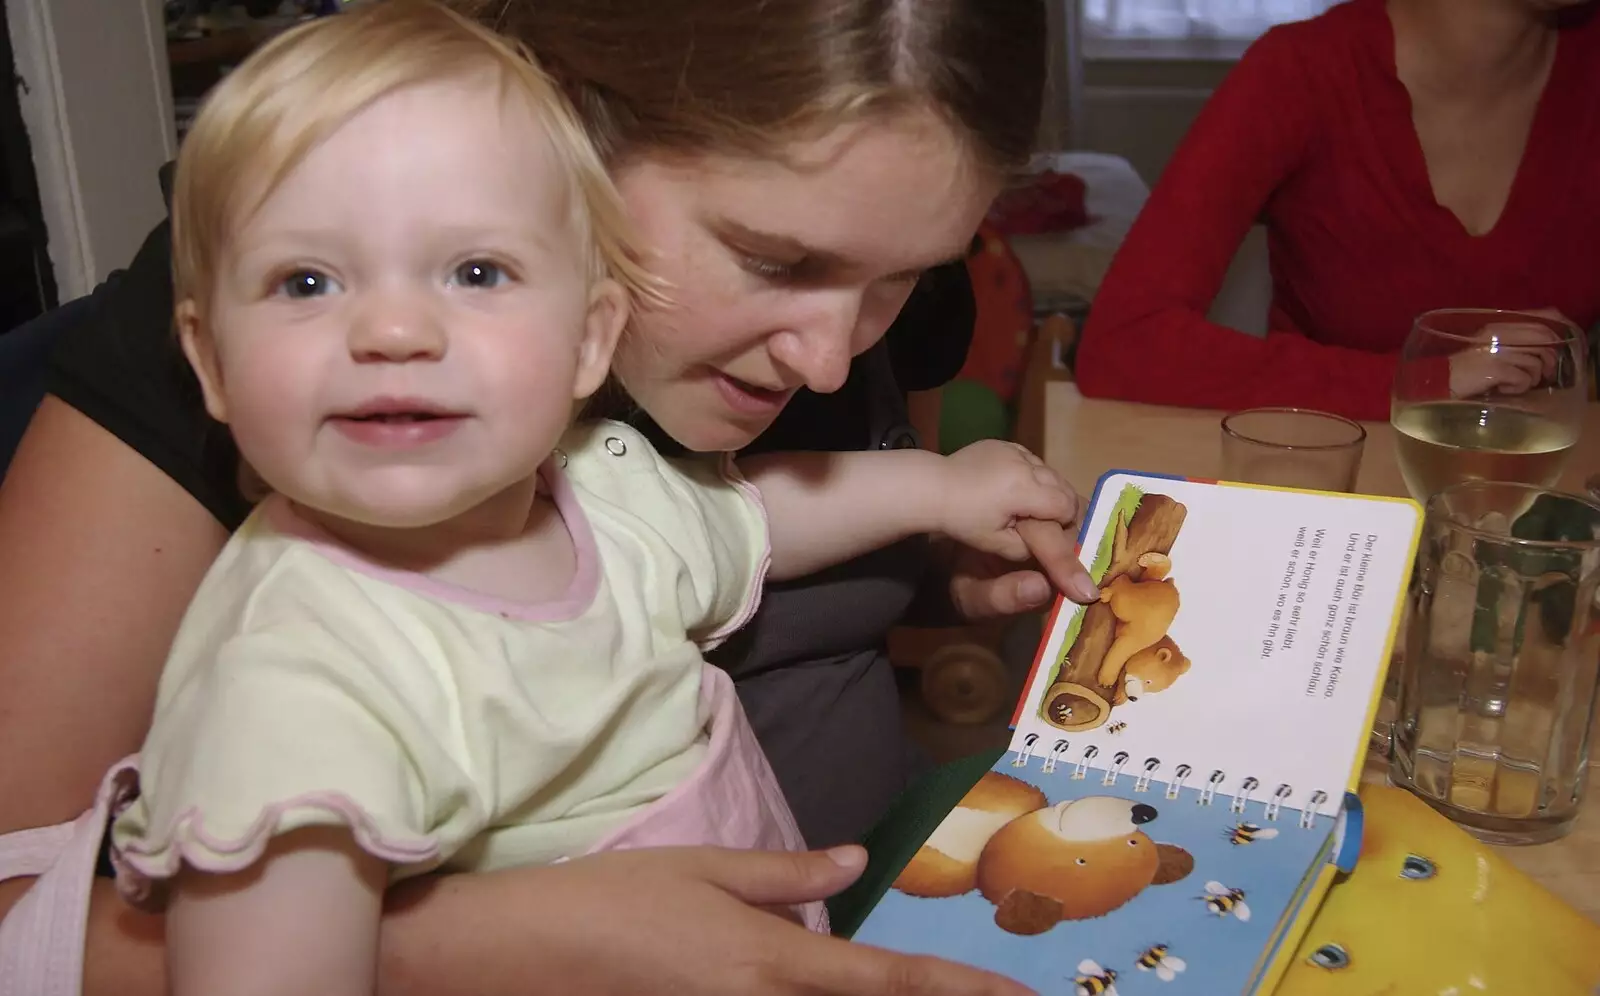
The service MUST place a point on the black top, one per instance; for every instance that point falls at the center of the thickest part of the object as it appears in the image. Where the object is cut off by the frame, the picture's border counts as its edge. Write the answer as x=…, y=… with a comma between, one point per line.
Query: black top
x=810, y=667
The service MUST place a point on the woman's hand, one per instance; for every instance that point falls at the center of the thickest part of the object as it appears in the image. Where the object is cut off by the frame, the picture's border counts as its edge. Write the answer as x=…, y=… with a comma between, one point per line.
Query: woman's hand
x=1515, y=358
x=1033, y=513
x=984, y=586
x=676, y=920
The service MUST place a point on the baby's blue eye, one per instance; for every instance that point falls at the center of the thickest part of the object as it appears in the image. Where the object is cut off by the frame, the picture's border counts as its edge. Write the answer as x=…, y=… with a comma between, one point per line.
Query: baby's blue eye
x=479, y=273
x=303, y=284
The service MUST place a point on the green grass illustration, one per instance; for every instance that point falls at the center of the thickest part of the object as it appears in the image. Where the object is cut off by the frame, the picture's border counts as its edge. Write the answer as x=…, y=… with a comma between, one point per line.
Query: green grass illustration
x=1122, y=511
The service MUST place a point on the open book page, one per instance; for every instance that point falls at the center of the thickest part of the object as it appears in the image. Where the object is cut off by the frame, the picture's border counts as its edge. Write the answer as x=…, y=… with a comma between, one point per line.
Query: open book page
x=1067, y=884
x=1242, y=632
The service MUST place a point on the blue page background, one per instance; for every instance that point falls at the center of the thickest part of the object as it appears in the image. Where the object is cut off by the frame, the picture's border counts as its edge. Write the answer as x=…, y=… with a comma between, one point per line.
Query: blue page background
x=1220, y=952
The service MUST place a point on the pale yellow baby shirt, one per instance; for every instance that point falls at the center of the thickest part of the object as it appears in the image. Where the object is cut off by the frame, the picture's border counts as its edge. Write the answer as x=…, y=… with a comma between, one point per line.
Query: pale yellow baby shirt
x=306, y=687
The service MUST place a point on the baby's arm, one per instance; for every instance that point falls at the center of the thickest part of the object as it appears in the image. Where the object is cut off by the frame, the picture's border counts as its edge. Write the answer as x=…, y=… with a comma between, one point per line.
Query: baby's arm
x=301, y=920
x=826, y=508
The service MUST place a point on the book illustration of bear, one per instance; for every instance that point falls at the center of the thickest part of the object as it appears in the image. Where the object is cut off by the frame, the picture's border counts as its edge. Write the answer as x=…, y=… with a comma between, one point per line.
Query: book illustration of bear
x=1151, y=670
x=1041, y=864
x=1140, y=648
x=1120, y=649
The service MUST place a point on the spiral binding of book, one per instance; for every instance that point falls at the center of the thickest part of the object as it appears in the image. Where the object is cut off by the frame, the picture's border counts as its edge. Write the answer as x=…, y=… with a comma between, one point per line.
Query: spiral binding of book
x=1151, y=770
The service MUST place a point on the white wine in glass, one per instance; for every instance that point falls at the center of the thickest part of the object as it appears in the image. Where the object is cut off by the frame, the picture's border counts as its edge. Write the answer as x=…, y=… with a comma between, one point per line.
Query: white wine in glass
x=1526, y=374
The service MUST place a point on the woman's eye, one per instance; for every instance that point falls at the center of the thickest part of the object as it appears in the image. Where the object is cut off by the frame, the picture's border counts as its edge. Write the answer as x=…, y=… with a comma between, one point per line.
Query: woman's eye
x=480, y=274
x=302, y=284
x=769, y=269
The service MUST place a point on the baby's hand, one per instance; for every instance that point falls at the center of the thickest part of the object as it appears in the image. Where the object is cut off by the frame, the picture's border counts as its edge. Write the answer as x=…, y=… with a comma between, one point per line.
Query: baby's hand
x=990, y=485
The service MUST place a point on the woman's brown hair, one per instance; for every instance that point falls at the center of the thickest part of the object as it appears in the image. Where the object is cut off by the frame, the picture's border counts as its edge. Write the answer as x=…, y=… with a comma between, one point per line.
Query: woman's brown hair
x=697, y=76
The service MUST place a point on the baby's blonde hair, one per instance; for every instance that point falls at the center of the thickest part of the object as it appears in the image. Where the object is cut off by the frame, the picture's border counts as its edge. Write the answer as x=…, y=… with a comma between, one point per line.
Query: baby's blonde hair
x=262, y=120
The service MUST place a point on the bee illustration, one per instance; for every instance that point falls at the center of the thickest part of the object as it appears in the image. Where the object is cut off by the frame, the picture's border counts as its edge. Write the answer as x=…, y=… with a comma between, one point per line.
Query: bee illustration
x=1116, y=728
x=1222, y=900
x=1248, y=833
x=1156, y=959
x=1092, y=980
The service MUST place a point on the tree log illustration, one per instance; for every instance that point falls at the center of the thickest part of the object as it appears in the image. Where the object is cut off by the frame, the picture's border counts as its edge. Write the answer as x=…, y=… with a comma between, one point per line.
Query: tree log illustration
x=1078, y=701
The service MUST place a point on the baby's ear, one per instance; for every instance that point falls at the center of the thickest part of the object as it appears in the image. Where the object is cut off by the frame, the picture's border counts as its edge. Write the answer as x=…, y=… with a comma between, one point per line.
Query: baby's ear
x=201, y=349
x=608, y=314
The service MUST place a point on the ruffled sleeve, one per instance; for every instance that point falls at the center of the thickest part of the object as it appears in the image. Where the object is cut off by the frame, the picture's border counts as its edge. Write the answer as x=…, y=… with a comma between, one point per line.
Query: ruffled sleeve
x=282, y=730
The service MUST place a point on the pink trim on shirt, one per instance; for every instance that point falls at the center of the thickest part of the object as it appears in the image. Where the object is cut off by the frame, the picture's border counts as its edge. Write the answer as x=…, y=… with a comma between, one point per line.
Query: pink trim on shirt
x=758, y=580
x=138, y=863
x=580, y=593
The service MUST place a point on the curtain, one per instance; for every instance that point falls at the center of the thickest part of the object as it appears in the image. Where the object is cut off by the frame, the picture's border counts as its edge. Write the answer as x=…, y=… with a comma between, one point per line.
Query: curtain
x=1176, y=19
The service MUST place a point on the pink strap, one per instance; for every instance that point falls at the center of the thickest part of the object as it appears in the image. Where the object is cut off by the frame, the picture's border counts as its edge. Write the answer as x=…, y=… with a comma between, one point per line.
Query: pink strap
x=42, y=938
x=731, y=800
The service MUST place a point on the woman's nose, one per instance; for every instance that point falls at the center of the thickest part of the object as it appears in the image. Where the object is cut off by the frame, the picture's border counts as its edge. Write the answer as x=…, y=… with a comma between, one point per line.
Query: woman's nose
x=819, y=350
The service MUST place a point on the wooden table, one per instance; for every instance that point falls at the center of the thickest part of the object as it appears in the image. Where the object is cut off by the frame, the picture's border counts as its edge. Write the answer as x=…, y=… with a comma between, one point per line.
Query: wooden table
x=1085, y=437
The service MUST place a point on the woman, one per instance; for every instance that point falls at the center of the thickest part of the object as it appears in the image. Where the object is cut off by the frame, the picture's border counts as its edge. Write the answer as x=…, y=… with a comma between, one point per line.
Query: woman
x=1404, y=155
x=794, y=167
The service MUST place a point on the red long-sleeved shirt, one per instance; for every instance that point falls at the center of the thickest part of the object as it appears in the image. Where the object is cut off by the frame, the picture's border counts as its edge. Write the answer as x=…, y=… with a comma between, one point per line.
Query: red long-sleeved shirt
x=1311, y=133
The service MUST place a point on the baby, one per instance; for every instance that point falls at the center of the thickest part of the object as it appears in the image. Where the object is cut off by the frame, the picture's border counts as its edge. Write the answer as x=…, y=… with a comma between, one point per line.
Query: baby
x=461, y=632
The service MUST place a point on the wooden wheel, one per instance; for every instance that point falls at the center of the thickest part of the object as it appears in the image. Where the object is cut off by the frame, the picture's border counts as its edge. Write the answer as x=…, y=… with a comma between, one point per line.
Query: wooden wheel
x=964, y=684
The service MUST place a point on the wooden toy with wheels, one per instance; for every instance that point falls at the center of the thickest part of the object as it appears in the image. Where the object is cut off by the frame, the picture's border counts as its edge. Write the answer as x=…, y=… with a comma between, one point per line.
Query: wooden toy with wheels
x=964, y=683
x=963, y=680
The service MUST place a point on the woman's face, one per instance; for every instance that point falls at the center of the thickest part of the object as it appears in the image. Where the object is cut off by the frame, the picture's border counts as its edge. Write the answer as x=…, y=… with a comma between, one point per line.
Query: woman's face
x=780, y=272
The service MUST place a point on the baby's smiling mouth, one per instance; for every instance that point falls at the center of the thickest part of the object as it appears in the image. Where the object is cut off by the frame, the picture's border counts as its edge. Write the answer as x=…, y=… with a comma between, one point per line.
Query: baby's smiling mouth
x=394, y=417
x=397, y=422
x=397, y=411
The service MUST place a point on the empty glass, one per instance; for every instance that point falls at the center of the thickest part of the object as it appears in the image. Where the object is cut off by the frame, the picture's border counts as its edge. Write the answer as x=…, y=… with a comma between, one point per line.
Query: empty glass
x=1498, y=695
x=1292, y=448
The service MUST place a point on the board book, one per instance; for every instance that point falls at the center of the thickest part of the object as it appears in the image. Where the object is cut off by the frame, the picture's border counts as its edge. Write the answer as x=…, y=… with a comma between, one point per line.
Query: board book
x=1178, y=792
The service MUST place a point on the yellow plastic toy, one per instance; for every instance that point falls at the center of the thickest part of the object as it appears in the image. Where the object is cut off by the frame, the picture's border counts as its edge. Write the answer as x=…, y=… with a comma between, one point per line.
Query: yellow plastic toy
x=1429, y=911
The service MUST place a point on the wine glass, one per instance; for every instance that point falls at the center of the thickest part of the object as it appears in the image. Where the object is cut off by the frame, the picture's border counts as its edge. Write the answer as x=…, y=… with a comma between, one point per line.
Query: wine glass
x=1488, y=395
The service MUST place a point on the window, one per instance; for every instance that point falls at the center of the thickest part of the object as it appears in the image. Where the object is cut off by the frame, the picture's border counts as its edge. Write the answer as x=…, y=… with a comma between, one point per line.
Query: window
x=1217, y=28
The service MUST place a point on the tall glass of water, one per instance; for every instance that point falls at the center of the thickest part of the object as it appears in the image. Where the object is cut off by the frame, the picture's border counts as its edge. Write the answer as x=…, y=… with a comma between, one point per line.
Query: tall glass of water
x=1503, y=657
x=1489, y=396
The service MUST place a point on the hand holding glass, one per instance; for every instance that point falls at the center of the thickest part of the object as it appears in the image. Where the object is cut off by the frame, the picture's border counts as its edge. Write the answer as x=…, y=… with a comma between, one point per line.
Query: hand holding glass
x=1488, y=395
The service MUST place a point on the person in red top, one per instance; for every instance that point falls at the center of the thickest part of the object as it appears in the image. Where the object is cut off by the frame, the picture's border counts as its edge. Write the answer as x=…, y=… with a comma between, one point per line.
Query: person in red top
x=1404, y=155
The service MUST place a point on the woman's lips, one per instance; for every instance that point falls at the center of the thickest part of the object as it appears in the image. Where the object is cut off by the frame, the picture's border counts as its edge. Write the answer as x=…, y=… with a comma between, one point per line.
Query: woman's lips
x=748, y=399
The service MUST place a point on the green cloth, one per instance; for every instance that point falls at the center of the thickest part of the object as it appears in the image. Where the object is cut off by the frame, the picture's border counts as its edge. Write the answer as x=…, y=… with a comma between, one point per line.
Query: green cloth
x=1555, y=518
x=970, y=411
x=893, y=841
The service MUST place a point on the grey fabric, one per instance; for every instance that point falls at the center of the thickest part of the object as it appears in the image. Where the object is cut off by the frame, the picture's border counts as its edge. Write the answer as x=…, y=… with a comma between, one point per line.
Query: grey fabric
x=811, y=668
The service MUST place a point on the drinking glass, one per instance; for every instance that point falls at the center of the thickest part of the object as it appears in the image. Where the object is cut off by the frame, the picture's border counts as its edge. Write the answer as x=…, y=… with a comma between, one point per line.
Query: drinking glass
x=1292, y=448
x=1521, y=381
x=1498, y=696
